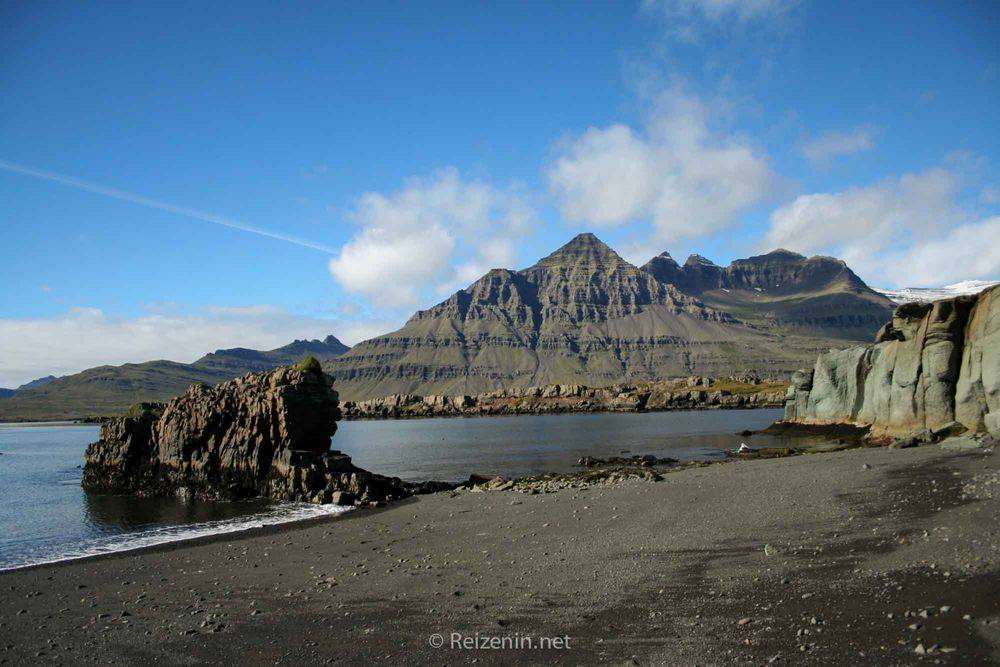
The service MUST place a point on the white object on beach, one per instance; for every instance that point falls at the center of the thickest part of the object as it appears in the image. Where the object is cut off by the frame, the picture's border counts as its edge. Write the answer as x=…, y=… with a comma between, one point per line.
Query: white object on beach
x=744, y=448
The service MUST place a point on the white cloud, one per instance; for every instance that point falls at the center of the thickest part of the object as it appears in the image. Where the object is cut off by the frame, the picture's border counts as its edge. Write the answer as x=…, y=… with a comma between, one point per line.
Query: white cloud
x=823, y=149
x=907, y=231
x=966, y=252
x=685, y=178
x=434, y=234
x=87, y=337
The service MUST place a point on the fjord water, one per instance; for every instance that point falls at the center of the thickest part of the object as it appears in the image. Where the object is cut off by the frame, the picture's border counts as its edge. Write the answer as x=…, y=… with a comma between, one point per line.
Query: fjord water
x=46, y=516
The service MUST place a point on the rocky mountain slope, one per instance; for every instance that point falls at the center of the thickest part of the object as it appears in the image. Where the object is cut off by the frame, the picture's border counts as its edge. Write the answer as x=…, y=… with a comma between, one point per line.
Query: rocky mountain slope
x=934, y=369
x=782, y=290
x=583, y=315
x=109, y=390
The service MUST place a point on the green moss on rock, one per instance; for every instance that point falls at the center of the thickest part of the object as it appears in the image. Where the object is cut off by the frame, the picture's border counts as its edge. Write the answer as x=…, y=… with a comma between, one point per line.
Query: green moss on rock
x=310, y=365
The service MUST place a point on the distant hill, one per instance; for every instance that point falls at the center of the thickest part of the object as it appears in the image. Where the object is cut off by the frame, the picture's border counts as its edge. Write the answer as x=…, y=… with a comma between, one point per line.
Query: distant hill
x=40, y=382
x=239, y=360
x=5, y=393
x=108, y=390
x=584, y=315
x=783, y=290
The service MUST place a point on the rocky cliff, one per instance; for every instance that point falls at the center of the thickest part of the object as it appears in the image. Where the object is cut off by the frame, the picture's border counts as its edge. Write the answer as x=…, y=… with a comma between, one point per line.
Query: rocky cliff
x=934, y=369
x=582, y=315
x=261, y=435
x=692, y=393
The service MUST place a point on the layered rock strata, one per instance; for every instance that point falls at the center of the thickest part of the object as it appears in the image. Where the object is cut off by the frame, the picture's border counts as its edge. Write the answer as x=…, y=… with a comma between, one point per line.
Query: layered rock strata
x=582, y=315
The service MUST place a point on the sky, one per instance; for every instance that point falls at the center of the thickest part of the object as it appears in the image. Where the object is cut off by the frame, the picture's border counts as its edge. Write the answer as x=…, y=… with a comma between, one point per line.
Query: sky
x=178, y=177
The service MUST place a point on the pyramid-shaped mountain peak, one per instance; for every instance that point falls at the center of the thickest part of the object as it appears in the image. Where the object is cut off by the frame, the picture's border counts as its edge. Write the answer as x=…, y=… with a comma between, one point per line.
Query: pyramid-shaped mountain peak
x=583, y=249
x=664, y=257
x=699, y=260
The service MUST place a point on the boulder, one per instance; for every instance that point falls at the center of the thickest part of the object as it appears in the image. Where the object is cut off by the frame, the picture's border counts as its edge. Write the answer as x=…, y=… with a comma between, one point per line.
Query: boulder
x=960, y=443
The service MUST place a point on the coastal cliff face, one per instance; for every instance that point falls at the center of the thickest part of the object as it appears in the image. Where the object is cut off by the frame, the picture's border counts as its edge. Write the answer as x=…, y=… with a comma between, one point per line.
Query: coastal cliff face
x=261, y=435
x=692, y=393
x=935, y=368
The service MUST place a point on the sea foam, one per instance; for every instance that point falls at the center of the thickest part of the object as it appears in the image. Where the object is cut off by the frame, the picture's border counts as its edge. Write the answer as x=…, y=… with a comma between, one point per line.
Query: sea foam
x=110, y=544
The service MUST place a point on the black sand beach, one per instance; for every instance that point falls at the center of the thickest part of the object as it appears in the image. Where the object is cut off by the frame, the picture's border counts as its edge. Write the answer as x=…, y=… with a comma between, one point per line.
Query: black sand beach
x=856, y=557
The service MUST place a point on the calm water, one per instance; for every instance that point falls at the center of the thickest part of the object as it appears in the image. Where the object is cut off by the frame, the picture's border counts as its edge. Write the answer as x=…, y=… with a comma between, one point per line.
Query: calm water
x=45, y=516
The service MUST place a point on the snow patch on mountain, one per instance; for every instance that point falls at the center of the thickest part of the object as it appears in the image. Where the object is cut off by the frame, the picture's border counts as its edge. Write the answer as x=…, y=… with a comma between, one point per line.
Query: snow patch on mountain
x=925, y=294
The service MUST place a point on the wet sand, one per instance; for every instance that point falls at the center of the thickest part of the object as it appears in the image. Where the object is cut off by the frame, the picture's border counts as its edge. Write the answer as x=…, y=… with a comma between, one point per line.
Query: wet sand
x=856, y=557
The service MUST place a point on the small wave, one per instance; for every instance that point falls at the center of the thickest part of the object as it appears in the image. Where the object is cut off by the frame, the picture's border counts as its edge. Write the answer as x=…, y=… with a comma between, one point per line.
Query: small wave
x=279, y=514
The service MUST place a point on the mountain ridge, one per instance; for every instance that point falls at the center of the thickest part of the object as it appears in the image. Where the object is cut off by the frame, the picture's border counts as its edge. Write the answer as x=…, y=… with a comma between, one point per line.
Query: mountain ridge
x=583, y=315
x=817, y=295
x=579, y=315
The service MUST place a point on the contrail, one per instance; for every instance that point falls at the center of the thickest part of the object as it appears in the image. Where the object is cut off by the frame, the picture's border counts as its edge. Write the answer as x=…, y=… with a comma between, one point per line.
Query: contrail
x=159, y=205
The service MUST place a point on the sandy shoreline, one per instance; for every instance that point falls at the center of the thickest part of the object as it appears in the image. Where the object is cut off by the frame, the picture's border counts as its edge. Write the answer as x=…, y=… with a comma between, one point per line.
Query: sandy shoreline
x=803, y=558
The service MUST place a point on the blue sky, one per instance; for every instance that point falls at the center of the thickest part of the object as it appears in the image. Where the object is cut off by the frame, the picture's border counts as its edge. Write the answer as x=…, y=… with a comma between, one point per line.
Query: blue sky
x=416, y=145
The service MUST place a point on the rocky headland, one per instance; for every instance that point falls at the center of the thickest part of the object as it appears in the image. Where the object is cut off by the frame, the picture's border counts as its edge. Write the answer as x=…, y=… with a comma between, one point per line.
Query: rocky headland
x=261, y=435
x=933, y=372
x=690, y=393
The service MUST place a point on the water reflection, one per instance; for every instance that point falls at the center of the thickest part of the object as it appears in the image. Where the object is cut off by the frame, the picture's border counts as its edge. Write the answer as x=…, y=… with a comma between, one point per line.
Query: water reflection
x=451, y=448
x=118, y=514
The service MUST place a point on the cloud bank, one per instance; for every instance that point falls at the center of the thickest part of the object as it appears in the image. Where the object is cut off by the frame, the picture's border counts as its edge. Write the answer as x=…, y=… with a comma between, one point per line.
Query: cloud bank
x=434, y=235
x=909, y=231
x=687, y=179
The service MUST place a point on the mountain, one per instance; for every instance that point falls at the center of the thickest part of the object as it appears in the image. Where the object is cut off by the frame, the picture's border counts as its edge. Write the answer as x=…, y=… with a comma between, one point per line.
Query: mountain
x=39, y=382
x=108, y=390
x=6, y=393
x=583, y=315
x=928, y=294
x=239, y=360
x=782, y=290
